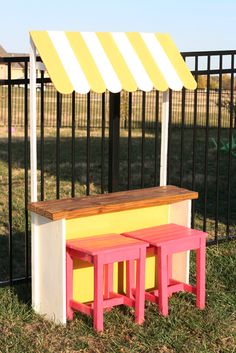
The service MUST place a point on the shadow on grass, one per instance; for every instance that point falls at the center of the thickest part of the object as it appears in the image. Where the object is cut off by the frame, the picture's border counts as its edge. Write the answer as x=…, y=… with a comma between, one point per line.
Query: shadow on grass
x=23, y=292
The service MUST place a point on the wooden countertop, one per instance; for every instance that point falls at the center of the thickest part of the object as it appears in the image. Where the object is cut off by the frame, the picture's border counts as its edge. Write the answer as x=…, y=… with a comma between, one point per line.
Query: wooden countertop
x=114, y=202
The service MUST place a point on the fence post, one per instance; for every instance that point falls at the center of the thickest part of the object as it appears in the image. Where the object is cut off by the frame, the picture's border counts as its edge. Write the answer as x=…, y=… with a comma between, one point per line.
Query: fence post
x=114, y=141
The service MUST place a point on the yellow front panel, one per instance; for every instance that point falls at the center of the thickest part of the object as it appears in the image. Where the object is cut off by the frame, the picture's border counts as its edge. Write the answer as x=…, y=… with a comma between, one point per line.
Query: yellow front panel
x=117, y=222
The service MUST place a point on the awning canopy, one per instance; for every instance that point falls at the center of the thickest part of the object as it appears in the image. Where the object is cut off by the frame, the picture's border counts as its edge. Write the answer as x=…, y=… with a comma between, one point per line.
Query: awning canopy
x=84, y=61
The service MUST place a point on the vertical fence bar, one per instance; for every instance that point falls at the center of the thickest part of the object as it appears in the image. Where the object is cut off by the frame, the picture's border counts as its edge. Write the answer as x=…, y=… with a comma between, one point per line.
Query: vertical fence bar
x=129, y=140
x=26, y=166
x=58, y=145
x=88, y=145
x=73, y=145
x=114, y=141
x=143, y=136
x=156, y=137
x=169, y=136
x=42, y=122
x=195, y=112
x=218, y=149
x=230, y=145
x=206, y=142
x=10, y=172
x=182, y=138
x=103, y=141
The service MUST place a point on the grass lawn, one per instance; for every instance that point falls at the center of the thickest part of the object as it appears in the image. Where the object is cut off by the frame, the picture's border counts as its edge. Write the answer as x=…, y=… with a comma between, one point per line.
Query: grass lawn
x=186, y=330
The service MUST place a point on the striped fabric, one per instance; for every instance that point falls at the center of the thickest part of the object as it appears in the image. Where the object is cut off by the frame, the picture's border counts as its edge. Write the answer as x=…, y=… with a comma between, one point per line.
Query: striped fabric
x=84, y=61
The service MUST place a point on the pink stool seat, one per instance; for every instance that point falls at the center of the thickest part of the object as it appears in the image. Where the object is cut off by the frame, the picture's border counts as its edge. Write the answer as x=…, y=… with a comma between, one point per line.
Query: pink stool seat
x=102, y=251
x=165, y=240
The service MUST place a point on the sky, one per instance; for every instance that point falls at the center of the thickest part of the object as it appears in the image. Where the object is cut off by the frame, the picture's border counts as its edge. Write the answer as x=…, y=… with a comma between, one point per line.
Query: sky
x=194, y=25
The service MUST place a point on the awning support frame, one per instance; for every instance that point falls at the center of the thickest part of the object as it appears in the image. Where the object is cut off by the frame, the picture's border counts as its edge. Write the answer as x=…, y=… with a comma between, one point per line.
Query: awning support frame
x=33, y=179
x=33, y=123
x=164, y=138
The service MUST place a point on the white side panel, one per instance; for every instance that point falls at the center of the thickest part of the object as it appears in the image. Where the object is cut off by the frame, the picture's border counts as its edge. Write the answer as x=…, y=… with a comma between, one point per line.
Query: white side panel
x=180, y=213
x=164, y=138
x=48, y=268
x=34, y=261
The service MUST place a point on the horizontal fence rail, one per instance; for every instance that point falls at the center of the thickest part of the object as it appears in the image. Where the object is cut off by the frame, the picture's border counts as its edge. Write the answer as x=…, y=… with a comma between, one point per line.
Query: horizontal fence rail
x=75, y=148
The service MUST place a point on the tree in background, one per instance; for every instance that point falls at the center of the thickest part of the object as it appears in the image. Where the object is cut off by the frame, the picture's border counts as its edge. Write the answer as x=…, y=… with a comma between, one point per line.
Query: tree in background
x=214, y=82
x=202, y=82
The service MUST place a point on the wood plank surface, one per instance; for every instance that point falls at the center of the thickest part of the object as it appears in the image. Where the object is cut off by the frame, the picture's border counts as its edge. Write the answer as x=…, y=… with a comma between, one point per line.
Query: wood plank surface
x=104, y=243
x=106, y=203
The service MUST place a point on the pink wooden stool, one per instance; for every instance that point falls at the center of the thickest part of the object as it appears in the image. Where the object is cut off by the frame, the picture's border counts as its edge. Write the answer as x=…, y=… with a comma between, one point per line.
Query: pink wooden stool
x=103, y=251
x=164, y=241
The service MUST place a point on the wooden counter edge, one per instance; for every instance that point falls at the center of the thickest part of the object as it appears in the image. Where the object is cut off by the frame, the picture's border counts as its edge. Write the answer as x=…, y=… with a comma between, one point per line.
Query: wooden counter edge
x=123, y=206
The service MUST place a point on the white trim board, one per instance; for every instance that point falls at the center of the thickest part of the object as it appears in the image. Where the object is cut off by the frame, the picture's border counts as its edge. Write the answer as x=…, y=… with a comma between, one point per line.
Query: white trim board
x=48, y=268
x=180, y=213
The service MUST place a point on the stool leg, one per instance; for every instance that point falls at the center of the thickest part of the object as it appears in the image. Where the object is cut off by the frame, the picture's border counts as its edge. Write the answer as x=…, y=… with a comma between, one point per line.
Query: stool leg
x=201, y=264
x=169, y=264
x=108, y=280
x=140, y=287
x=98, y=294
x=129, y=278
x=162, y=281
x=69, y=285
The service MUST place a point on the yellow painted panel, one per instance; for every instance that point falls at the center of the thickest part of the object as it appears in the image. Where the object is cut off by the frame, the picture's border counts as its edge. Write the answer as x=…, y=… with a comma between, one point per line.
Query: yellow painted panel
x=83, y=279
x=117, y=222
x=177, y=60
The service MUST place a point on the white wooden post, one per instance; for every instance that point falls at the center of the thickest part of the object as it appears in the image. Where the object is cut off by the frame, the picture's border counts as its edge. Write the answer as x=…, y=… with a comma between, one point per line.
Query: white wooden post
x=33, y=123
x=164, y=138
x=33, y=178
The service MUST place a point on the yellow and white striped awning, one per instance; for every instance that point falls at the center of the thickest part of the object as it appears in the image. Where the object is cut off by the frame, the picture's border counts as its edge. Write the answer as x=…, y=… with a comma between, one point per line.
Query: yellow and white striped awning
x=84, y=61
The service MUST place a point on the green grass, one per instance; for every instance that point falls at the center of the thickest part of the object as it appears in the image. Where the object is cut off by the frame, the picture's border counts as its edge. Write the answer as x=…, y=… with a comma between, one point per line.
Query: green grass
x=186, y=330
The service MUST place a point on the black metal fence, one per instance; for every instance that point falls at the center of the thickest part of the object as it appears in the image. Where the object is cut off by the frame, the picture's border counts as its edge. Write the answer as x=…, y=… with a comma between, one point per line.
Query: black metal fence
x=77, y=143
x=49, y=96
